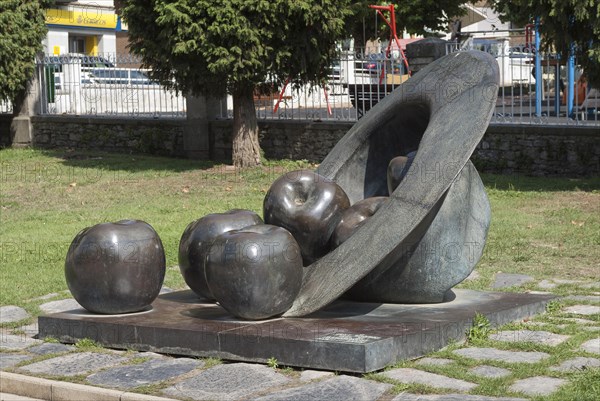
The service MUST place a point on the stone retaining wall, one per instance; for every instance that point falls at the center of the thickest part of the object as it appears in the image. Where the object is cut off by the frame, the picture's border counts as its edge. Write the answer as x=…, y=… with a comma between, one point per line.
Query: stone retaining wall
x=539, y=150
x=294, y=140
x=505, y=149
x=157, y=137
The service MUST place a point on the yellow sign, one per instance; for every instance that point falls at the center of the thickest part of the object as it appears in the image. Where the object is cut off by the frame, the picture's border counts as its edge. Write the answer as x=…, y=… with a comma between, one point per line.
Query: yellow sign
x=86, y=17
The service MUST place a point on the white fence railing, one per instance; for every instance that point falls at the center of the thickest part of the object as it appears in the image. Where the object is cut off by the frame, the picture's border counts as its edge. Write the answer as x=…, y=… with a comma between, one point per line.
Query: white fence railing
x=103, y=86
x=110, y=86
x=6, y=108
x=360, y=81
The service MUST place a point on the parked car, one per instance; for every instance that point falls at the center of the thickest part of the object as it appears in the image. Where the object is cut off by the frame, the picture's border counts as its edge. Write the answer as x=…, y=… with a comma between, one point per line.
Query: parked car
x=120, y=76
x=515, y=63
x=94, y=70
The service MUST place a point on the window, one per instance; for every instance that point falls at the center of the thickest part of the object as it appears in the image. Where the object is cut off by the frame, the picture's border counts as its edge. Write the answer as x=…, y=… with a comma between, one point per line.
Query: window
x=76, y=44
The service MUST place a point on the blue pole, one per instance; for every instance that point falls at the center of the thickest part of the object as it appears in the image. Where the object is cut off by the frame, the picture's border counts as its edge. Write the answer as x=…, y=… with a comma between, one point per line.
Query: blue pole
x=538, y=70
x=571, y=83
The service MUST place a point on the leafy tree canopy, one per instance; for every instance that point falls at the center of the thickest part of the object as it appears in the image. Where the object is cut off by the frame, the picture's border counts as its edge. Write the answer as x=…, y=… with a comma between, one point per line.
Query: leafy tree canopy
x=209, y=46
x=563, y=22
x=420, y=17
x=424, y=16
x=22, y=29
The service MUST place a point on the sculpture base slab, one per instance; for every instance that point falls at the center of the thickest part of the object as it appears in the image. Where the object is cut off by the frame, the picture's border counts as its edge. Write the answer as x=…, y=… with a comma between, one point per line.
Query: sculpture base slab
x=345, y=336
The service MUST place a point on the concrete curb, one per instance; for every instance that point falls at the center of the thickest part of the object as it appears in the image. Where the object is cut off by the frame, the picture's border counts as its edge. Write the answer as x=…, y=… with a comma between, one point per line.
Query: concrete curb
x=51, y=390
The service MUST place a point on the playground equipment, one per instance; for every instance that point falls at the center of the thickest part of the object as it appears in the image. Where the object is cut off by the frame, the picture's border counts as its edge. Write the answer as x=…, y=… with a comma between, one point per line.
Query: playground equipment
x=393, y=36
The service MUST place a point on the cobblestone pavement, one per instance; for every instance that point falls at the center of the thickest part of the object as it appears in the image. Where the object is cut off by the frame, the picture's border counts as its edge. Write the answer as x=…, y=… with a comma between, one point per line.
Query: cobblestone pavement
x=460, y=372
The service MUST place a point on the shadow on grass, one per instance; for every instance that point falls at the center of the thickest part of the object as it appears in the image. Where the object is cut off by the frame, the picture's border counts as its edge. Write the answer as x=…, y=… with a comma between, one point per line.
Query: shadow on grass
x=132, y=163
x=540, y=184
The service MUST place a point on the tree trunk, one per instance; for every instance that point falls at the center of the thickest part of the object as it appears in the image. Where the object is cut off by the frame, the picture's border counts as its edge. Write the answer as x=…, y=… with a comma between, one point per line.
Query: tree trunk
x=246, y=150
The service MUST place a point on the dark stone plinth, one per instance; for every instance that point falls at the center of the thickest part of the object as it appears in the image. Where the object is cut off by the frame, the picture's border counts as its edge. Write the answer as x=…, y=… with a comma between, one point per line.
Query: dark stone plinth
x=345, y=336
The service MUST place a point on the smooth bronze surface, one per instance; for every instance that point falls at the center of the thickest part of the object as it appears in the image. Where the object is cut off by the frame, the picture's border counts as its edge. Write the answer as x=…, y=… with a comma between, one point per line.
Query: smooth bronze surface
x=309, y=206
x=397, y=170
x=255, y=272
x=198, y=237
x=444, y=256
x=354, y=217
x=116, y=267
x=442, y=113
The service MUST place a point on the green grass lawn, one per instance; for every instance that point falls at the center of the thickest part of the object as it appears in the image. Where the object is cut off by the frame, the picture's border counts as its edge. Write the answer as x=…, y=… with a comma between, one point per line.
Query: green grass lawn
x=542, y=227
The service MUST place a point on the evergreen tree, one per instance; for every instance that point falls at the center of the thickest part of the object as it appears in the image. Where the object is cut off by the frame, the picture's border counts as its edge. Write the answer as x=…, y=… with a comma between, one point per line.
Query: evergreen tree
x=211, y=47
x=563, y=23
x=22, y=29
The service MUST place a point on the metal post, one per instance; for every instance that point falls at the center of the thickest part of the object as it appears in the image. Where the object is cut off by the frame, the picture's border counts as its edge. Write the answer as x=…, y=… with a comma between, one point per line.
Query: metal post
x=72, y=77
x=538, y=70
x=571, y=78
x=557, y=87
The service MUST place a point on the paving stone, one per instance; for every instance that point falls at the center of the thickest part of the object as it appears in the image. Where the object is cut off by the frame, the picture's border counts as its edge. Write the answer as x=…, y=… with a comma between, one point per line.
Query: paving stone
x=578, y=320
x=591, y=285
x=74, y=364
x=407, y=375
x=151, y=355
x=451, y=397
x=339, y=388
x=547, y=285
x=579, y=363
x=165, y=290
x=490, y=371
x=50, y=348
x=582, y=309
x=540, y=324
x=309, y=375
x=504, y=280
x=9, y=360
x=30, y=330
x=152, y=371
x=434, y=361
x=59, y=306
x=592, y=346
x=501, y=355
x=11, y=313
x=473, y=276
x=538, y=337
x=539, y=385
x=14, y=342
x=228, y=382
x=592, y=298
x=566, y=281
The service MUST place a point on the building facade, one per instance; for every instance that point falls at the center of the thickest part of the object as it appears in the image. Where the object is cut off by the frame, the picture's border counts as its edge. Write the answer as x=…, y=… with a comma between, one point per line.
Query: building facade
x=87, y=27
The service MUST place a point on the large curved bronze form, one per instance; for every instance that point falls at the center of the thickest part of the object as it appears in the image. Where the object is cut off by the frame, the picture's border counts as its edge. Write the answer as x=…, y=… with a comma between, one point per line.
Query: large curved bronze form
x=442, y=112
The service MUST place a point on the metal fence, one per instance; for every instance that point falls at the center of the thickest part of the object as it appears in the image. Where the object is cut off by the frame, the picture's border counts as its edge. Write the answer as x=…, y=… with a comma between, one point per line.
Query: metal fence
x=521, y=99
x=103, y=85
x=115, y=86
x=360, y=80
x=357, y=82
